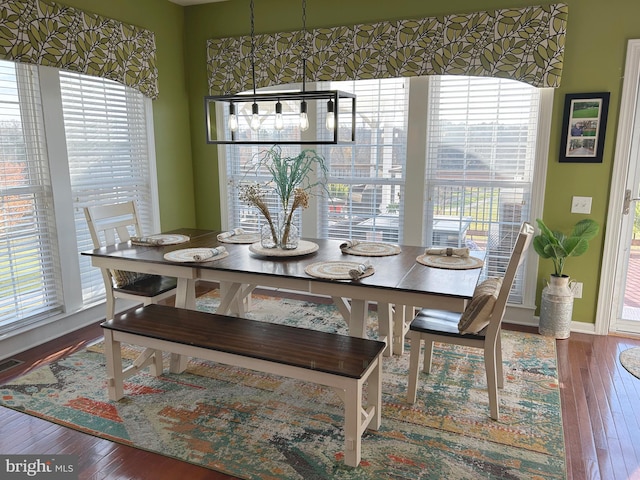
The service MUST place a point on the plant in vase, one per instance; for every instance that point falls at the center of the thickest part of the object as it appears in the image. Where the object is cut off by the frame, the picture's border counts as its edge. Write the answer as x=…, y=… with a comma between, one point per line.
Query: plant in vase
x=254, y=195
x=291, y=181
x=557, y=298
x=300, y=200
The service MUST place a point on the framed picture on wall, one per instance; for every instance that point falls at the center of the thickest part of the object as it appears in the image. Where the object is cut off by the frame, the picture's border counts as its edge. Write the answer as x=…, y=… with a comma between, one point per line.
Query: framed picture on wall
x=583, y=127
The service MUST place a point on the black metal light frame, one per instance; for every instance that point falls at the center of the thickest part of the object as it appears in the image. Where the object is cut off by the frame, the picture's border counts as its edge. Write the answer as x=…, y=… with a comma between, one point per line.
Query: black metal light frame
x=336, y=96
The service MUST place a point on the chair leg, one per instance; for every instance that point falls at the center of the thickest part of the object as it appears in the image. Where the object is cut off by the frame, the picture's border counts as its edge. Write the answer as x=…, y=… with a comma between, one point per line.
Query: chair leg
x=428, y=354
x=399, y=328
x=157, y=367
x=385, y=326
x=111, y=305
x=414, y=360
x=492, y=381
x=499, y=366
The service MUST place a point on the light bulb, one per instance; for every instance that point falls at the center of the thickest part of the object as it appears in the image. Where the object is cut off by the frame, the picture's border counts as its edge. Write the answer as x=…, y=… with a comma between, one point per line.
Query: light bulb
x=331, y=117
x=279, y=120
x=233, y=119
x=304, y=119
x=255, y=118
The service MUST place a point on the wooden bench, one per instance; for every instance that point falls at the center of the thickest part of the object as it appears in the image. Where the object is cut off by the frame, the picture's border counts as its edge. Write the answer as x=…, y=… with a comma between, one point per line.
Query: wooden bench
x=342, y=362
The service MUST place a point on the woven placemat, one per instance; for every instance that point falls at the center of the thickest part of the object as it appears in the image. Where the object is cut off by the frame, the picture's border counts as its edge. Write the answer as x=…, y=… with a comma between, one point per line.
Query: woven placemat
x=187, y=255
x=336, y=270
x=372, y=249
x=450, y=262
x=304, y=248
x=160, y=239
x=241, y=238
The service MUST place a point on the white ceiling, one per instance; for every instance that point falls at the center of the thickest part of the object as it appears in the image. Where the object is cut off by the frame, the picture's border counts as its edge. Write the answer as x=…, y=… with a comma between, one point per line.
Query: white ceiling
x=194, y=2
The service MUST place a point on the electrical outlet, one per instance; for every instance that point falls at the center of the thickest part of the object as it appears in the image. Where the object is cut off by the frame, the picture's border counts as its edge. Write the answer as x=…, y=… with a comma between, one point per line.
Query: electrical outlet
x=581, y=205
x=576, y=288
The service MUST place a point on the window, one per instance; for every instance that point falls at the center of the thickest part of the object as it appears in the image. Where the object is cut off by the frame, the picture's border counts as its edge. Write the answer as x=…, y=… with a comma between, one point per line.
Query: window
x=366, y=180
x=437, y=161
x=29, y=267
x=481, y=138
x=67, y=141
x=108, y=157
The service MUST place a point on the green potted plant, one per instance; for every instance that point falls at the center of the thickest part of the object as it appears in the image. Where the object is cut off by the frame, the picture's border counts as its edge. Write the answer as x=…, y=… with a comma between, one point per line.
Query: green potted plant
x=557, y=298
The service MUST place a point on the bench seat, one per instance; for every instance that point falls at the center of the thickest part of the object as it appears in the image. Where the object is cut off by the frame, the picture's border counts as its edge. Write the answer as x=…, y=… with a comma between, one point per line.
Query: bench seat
x=342, y=362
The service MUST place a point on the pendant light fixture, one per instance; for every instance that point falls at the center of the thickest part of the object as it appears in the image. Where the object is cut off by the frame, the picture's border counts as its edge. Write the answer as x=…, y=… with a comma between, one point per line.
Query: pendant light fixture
x=279, y=121
x=244, y=126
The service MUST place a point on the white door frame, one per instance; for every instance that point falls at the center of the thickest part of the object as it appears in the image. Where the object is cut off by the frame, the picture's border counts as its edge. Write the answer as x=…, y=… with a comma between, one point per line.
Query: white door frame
x=610, y=290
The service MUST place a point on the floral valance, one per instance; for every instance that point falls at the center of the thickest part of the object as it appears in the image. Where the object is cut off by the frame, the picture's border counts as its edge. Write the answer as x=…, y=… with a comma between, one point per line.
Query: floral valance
x=45, y=33
x=525, y=44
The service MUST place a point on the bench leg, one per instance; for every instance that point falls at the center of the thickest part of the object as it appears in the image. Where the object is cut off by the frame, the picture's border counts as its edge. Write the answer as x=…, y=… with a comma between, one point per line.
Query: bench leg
x=352, y=423
x=115, y=377
x=374, y=384
x=356, y=418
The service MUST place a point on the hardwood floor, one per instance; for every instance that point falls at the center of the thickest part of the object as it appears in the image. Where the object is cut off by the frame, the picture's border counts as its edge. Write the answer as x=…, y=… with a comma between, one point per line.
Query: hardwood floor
x=601, y=417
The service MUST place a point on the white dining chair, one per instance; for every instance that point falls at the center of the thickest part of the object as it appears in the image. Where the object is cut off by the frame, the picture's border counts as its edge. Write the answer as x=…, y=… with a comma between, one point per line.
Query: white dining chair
x=478, y=326
x=116, y=223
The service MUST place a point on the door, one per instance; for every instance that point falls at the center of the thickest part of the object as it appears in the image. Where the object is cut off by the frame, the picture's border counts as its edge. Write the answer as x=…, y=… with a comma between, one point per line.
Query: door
x=619, y=298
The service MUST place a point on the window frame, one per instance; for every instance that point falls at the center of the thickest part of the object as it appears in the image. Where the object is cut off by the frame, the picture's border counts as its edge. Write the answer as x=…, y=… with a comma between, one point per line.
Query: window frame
x=26, y=333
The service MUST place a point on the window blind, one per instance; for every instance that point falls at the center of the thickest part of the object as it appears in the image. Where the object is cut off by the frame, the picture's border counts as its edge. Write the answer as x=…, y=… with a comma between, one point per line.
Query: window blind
x=106, y=132
x=30, y=285
x=481, y=137
x=366, y=180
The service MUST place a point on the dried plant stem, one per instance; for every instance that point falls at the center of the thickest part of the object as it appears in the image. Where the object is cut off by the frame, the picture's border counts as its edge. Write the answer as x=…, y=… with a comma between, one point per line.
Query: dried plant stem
x=300, y=199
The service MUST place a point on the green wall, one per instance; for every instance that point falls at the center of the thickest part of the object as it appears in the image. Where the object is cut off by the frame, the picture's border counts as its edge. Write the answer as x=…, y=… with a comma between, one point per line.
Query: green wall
x=170, y=110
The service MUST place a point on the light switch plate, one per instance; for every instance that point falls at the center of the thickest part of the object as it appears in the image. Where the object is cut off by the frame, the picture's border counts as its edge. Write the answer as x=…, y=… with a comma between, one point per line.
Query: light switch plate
x=581, y=205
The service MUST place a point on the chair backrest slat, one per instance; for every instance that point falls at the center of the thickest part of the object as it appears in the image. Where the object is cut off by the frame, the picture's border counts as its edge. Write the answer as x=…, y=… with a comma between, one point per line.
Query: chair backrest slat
x=110, y=224
x=525, y=237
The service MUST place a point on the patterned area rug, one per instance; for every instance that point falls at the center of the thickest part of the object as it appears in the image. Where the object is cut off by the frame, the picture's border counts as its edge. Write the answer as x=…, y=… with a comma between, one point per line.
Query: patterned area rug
x=630, y=359
x=259, y=426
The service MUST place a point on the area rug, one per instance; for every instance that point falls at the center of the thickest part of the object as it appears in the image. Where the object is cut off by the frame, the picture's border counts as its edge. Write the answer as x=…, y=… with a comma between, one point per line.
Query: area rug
x=260, y=426
x=630, y=359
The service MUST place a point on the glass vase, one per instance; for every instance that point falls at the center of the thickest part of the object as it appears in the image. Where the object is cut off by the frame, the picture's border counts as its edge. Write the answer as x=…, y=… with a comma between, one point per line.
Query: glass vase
x=289, y=233
x=267, y=240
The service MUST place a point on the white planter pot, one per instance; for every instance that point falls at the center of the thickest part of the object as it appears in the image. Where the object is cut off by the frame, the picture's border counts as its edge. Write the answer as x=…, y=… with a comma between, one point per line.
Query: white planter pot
x=556, y=308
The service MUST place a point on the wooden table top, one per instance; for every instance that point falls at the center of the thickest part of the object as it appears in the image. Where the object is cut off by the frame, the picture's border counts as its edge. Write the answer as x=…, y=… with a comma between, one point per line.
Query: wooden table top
x=397, y=272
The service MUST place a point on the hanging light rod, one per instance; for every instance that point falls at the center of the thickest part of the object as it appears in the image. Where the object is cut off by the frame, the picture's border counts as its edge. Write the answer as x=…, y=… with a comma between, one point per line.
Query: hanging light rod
x=267, y=132
x=328, y=105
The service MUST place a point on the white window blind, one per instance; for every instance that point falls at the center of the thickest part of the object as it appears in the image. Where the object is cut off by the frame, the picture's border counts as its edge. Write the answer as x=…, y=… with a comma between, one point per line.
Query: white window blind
x=107, y=143
x=366, y=180
x=481, y=137
x=29, y=268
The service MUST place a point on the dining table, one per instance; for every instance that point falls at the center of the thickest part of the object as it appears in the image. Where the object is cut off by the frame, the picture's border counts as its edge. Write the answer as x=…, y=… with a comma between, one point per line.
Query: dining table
x=396, y=282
